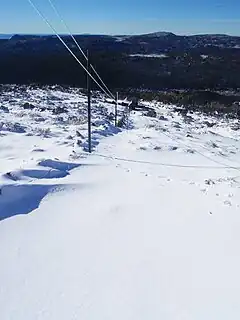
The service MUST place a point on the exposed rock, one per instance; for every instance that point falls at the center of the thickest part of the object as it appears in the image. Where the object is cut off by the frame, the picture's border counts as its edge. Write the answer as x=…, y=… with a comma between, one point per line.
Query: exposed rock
x=28, y=106
x=151, y=113
x=236, y=127
x=59, y=110
x=163, y=118
x=173, y=148
x=4, y=109
x=209, y=124
x=209, y=182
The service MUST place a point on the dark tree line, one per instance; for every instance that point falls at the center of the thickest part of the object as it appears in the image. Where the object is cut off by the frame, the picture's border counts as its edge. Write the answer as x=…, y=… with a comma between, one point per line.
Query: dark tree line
x=44, y=60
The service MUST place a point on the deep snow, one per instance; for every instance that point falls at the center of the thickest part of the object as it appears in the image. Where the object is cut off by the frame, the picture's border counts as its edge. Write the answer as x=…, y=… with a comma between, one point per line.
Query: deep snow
x=147, y=227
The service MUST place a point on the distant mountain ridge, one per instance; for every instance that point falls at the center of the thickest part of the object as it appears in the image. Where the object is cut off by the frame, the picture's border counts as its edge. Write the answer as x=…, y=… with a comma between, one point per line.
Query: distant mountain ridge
x=5, y=36
x=157, y=34
x=150, y=35
x=154, y=60
x=150, y=43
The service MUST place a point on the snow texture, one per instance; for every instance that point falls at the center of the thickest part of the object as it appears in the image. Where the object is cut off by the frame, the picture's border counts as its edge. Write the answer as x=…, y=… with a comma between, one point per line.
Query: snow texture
x=146, y=227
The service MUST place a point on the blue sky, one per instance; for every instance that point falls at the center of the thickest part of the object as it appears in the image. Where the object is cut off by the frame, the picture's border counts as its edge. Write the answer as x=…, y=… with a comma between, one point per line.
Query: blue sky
x=124, y=16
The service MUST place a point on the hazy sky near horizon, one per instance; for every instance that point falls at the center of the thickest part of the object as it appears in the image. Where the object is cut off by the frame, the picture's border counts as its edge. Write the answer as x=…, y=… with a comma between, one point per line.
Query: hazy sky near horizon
x=124, y=16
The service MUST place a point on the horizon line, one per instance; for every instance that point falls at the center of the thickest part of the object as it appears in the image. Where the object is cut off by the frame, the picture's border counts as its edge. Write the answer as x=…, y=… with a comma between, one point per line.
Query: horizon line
x=11, y=34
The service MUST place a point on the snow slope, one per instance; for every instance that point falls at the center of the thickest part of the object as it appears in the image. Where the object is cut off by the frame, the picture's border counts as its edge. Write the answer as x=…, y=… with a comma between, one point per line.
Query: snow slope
x=147, y=227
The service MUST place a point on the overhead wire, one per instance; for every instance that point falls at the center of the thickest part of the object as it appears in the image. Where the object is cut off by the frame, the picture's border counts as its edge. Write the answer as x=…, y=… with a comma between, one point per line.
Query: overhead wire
x=200, y=153
x=160, y=163
x=223, y=165
x=65, y=45
x=221, y=155
x=78, y=46
x=108, y=93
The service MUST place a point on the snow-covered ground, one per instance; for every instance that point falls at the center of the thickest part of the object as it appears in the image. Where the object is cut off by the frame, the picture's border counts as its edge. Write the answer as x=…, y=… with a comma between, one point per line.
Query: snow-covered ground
x=153, y=55
x=146, y=227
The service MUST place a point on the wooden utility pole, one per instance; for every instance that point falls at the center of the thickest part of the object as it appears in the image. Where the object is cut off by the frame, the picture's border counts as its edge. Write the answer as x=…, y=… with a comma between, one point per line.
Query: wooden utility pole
x=116, y=111
x=89, y=107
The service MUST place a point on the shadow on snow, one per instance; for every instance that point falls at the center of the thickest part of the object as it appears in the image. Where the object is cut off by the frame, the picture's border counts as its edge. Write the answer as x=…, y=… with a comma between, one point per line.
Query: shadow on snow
x=23, y=199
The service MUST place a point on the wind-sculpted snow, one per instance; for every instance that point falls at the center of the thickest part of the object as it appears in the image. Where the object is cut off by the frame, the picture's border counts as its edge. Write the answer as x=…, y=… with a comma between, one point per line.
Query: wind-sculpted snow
x=145, y=227
x=42, y=131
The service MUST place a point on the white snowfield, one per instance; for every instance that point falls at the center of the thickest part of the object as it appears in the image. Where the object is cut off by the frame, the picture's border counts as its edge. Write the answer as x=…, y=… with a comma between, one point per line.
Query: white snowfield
x=146, y=227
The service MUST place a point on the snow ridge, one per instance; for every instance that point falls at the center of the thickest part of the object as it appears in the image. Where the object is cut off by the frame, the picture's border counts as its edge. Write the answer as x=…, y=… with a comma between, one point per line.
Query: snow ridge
x=146, y=227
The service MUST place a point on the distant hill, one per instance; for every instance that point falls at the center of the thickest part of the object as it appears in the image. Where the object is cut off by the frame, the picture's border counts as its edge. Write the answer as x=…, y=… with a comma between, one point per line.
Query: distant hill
x=5, y=36
x=149, y=61
x=152, y=43
x=158, y=34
